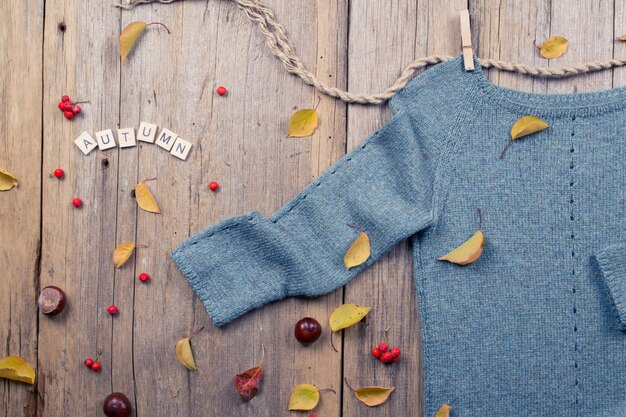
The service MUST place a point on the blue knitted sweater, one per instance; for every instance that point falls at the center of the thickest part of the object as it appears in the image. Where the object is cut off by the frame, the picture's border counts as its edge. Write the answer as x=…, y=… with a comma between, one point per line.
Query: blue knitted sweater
x=536, y=326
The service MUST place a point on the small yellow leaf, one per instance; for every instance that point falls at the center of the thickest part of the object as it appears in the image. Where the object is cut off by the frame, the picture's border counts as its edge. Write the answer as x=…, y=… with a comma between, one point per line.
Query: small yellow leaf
x=553, y=47
x=622, y=38
x=347, y=315
x=373, y=396
x=7, y=181
x=122, y=253
x=358, y=252
x=302, y=123
x=129, y=36
x=527, y=125
x=467, y=252
x=184, y=354
x=304, y=397
x=17, y=369
x=144, y=198
x=444, y=411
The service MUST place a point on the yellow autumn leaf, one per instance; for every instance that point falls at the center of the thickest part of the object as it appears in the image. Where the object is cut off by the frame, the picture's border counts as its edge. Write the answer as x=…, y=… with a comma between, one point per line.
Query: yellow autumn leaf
x=347, y=315
x=304, y=397
x=144, y=198
x=184, y=354
x=553, y=47
x=444, y=411
x=129, y=36
x=302, y=123
x=527, y=125
x=122, y=253
x=622, y=37
x=467, y=252
x=373, y=396
x=17, y=369
x=470, y=250
x=358, y=252
x=7, y=181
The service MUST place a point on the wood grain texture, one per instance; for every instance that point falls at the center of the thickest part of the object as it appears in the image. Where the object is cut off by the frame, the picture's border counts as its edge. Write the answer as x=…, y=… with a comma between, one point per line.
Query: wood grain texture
x=619, y=47
x=379, y=48
x=20, y=154
x=506, y=30
x=240, y=141
x=80, y=59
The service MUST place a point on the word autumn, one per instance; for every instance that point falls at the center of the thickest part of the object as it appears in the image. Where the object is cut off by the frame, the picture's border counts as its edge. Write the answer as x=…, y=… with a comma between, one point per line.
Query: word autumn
x=166, y=139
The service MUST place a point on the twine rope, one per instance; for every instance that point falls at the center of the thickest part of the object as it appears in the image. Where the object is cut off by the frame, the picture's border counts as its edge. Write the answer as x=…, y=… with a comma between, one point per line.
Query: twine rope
x=281, y=47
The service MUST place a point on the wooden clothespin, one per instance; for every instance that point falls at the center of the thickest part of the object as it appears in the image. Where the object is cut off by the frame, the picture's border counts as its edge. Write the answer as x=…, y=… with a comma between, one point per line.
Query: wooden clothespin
x=466, y=40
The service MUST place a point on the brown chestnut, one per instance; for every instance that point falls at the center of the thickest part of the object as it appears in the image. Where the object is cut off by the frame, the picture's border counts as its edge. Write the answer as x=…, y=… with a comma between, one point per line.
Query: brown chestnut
x=51, y=300
x=307, y=330
x=117, y=404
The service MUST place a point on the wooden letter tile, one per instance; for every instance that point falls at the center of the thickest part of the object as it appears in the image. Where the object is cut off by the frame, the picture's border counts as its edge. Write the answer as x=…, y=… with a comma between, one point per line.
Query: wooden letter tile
x=105, y=139
x=146, y=132
x=166, y=139
x=181, y=149
x=126, y=137
x=85, y=143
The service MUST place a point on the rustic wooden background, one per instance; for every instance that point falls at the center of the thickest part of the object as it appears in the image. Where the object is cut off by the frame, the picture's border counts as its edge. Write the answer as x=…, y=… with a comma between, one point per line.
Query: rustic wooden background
x=54, y=47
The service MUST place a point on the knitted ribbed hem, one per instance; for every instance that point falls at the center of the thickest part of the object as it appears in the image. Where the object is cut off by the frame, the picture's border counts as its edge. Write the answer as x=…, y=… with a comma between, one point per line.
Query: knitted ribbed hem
x=612, y=261
x=213, y=289
x=588, y=104
x=194, y=280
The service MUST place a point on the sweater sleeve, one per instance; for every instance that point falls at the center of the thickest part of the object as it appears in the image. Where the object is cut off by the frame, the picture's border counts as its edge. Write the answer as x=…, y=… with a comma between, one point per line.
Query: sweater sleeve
x=384, y=187
x=612, y=262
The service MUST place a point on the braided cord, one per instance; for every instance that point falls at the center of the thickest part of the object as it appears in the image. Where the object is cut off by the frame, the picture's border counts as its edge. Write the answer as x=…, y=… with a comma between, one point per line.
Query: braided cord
x=281, y=47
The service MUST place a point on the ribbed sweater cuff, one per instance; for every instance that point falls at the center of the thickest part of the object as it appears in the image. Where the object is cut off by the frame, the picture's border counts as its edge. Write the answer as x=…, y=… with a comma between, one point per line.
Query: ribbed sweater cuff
x=612, y=261
x=221, y=266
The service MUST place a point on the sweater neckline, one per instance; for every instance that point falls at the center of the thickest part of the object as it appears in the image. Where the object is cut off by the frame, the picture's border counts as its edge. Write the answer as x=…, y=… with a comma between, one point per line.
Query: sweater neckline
x=556, y=104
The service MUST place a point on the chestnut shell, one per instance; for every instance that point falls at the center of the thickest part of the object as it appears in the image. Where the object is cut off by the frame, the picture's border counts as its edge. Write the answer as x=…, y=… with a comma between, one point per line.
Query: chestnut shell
x=117, y=404
x=307, y=330
x=51, y=300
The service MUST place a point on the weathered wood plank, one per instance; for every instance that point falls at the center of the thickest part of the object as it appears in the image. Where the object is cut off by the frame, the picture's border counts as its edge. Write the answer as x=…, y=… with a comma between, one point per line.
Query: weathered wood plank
x=81, y=59
x=384, y=38
x=589, y=28
x=240, y=141
x=619, y=28
x=20, y=153
x=506, y=30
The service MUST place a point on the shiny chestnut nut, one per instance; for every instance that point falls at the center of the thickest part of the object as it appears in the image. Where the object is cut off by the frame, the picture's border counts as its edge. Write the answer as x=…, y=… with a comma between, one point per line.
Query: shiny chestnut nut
x=51, y=300
x=307, y=330
x=117, y=404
